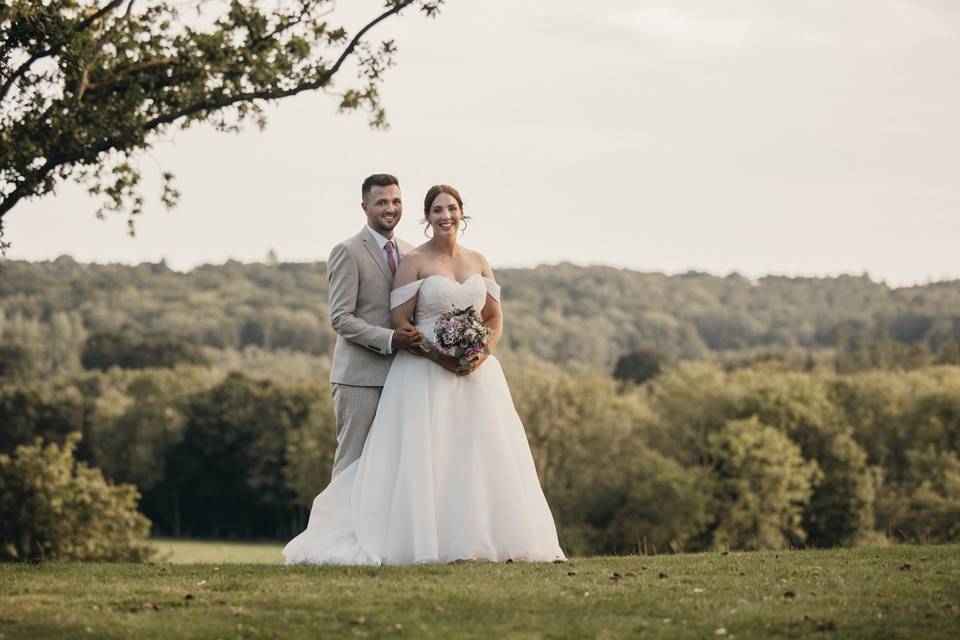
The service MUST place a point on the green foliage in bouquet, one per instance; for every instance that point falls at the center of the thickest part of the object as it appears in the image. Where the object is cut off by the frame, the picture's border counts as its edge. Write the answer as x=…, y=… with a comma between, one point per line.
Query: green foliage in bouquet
x=57, y=508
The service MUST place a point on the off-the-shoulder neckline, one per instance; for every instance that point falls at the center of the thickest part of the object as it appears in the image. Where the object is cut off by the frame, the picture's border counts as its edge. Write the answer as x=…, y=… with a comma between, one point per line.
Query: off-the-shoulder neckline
x=440, y=275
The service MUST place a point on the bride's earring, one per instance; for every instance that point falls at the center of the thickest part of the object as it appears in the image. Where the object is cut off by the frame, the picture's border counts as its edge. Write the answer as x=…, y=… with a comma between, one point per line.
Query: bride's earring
x=425, y=230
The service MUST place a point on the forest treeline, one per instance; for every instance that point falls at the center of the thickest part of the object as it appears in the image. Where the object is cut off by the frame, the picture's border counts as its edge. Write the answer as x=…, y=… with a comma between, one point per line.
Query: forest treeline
x=569, y=315
x=696, y=458
x=664, y=412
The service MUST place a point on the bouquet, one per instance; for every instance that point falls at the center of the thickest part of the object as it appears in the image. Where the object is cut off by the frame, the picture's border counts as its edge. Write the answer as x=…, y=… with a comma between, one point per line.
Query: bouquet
x=460, y=333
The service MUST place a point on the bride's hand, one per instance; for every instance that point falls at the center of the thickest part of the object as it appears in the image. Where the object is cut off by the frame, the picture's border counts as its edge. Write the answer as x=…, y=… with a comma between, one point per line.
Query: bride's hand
x=467, y=369
x=447, y=362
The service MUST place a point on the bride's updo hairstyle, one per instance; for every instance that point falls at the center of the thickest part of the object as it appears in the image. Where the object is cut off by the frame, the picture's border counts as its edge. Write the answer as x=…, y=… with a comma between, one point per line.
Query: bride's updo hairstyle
x=432, y=194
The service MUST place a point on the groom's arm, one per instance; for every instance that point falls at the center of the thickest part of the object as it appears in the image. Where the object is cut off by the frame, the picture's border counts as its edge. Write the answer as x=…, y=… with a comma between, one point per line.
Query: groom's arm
x=344, y=279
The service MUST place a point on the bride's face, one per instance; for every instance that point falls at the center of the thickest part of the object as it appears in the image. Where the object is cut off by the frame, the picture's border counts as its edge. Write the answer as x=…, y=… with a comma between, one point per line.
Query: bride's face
x=444, y=215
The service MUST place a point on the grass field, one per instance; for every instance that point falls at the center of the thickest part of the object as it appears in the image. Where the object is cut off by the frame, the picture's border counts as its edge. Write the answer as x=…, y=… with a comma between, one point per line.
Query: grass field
x=179, y=551
x=895, y=592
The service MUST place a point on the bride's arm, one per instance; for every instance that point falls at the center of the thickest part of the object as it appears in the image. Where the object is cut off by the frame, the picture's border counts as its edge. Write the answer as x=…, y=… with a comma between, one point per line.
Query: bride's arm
x=492, y=317
x=492, y=313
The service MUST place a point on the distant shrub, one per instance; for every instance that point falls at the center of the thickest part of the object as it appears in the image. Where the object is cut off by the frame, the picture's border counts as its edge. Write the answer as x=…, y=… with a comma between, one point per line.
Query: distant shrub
x=639, y=366
x=57, y=508
x=127, y=351
x=16, y=362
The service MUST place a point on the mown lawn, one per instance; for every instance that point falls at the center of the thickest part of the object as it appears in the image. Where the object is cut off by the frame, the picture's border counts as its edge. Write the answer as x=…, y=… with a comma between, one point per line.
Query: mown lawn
x=181, y=551
x=896, y=592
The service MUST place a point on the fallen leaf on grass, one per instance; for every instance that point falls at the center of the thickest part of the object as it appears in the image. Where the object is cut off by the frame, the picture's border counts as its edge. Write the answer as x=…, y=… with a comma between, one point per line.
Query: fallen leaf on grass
x=789, y=594
x=189, y=596
x=697, y=590
x=151, y=605
x=906, y=566
x=720, y=632
x=616, y=576
x=438, y=609
x=571, y=573
x=663, y=575
x=360, y=620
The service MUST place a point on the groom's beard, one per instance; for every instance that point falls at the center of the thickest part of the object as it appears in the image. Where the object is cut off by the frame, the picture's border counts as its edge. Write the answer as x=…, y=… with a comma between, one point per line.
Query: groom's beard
x=387, y=227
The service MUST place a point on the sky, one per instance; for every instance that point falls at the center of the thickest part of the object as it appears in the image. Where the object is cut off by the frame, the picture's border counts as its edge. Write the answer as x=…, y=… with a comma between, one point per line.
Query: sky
x=793, y=137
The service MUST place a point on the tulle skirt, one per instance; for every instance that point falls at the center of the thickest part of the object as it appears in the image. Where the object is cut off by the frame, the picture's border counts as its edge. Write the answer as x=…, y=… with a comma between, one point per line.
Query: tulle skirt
x=445, y=474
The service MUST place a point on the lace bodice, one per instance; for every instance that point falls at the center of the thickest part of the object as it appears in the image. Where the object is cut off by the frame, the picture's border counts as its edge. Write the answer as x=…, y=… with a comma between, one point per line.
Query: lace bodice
x=439, y=293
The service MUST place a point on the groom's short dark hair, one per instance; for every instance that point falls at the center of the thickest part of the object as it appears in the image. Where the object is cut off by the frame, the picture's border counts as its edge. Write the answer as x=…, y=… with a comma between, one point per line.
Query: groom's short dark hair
x=377, y=180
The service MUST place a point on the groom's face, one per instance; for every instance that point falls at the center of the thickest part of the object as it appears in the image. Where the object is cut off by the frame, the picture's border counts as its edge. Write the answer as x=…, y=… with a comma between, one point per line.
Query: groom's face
x=383, y=208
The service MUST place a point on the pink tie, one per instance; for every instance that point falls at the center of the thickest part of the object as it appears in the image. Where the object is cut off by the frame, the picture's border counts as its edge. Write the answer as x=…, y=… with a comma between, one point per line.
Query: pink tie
x=391, y=259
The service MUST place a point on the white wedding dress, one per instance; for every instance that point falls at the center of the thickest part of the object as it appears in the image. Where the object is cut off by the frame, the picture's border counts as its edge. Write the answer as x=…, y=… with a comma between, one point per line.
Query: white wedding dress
x=446, y=471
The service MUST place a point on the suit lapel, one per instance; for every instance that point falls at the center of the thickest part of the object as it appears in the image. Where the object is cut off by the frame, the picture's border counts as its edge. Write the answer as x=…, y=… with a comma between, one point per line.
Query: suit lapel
x=374, y=250
x=403, y=248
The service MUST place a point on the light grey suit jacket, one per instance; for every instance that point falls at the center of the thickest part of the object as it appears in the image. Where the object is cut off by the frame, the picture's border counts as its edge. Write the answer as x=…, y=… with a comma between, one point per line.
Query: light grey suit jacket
x=360, y=283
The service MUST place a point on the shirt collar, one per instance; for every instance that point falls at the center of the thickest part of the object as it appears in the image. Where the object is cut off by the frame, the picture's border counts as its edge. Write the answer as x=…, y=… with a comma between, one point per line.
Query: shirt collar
x=381, y=241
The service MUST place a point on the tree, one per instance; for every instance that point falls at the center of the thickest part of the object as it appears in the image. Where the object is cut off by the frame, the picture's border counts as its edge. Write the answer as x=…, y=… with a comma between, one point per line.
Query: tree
x=229, y=474
x=762, y=485
x=639, y=366
x=925, y=508
x=27, y=412
x=16, y=362
x=840, y=510
x=86, y=86
x=128, y=351
x=949, y=352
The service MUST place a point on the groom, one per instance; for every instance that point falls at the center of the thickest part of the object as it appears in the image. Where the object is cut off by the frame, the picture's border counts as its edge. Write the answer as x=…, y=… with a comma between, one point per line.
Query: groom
x=360, y=272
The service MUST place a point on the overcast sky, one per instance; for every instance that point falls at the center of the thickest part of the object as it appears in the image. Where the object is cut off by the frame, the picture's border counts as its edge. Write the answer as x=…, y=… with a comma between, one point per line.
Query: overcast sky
x=800, y=137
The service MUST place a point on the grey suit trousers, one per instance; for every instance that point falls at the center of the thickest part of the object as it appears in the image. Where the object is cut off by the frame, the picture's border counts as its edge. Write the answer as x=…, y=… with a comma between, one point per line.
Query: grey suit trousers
x=354, y=408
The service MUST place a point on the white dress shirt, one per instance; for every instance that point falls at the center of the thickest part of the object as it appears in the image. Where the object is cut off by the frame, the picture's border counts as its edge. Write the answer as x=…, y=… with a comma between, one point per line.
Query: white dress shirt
x=382, y=243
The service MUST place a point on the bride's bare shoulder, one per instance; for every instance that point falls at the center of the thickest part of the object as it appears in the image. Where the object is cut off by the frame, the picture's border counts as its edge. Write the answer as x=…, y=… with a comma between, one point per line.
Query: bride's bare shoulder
x=480, y=262
x=415, y=255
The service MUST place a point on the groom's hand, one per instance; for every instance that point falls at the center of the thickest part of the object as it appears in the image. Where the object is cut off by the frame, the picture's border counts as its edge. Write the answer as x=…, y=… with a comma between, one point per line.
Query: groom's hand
x=406, y=337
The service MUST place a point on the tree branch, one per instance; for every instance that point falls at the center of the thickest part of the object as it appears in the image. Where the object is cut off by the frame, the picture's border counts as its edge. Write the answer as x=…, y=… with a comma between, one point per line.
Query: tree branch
x=82, y=84
x=126, y=71
x=81, y=26
x=62, y=156
x=282, y=93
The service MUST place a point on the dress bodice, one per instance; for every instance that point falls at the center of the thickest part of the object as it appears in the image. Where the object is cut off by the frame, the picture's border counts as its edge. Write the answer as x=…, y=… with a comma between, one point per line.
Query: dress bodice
x=437, y=294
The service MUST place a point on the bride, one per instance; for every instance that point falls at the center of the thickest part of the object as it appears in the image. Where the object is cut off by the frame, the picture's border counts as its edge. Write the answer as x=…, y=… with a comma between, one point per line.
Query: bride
x=446, y=471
